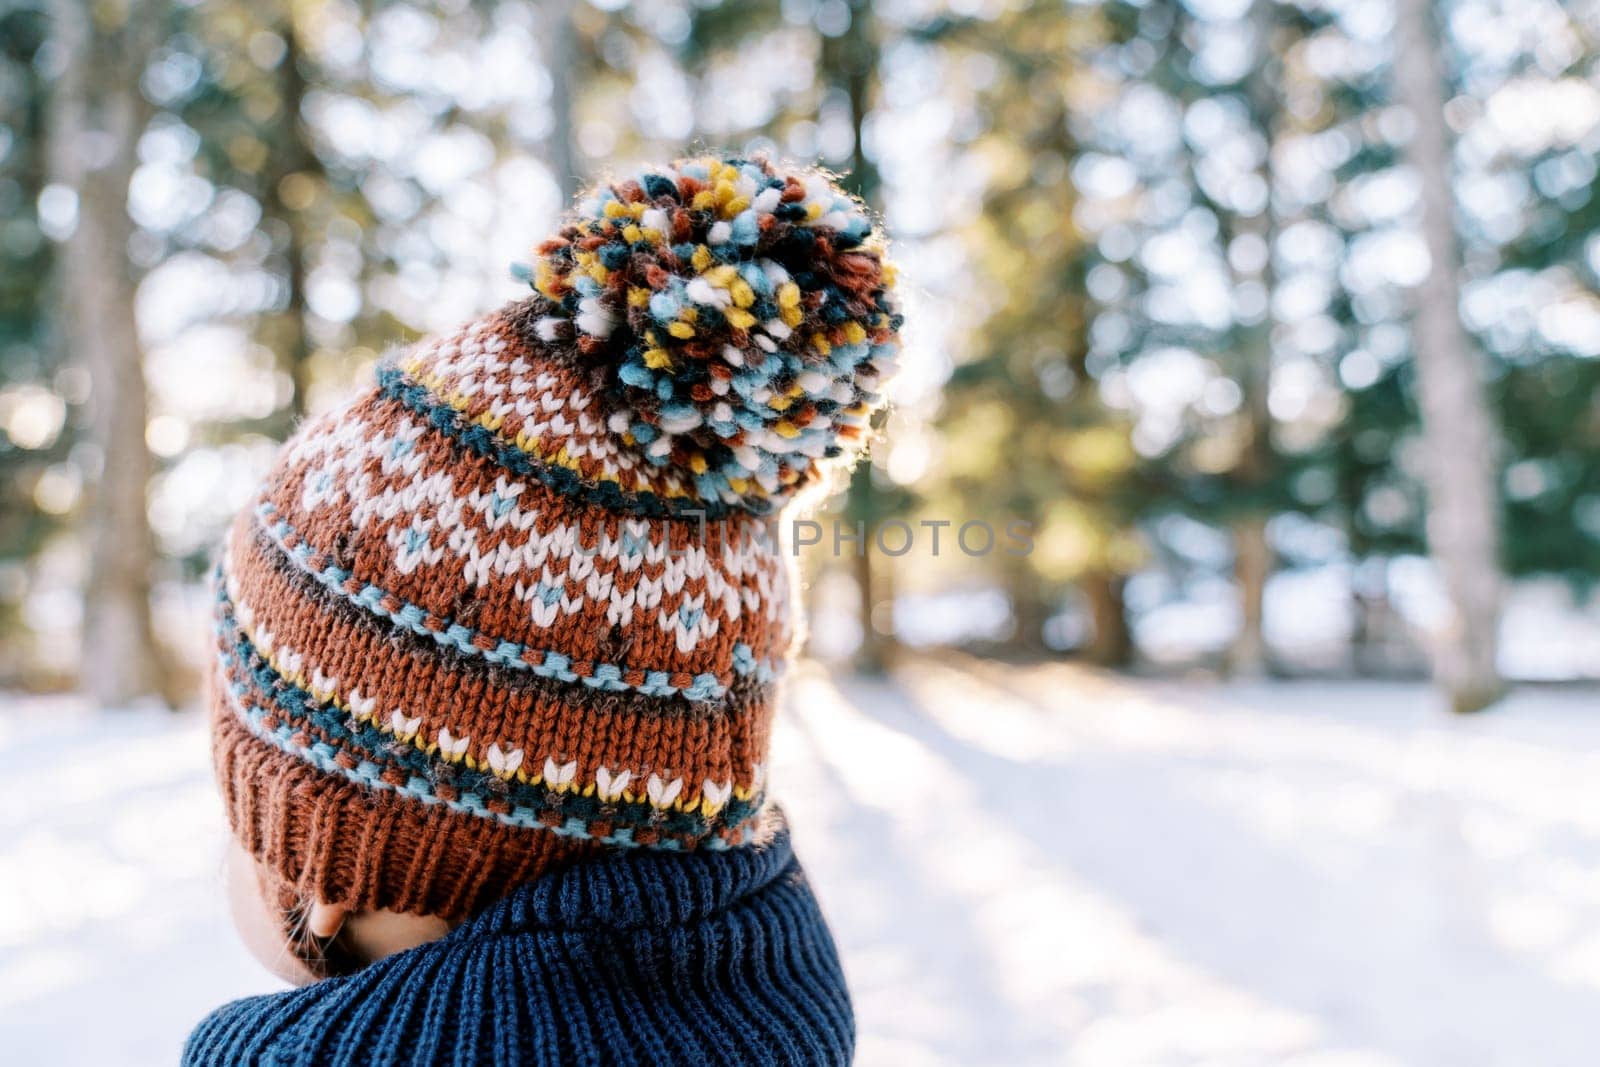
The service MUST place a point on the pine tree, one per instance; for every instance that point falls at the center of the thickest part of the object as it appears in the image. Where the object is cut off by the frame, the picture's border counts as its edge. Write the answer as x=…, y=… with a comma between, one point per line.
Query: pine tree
x=96, y=117
x=1209, y=186
x=1547, y=390
x=1066, y=466
x=848, y=43
x=30, y=370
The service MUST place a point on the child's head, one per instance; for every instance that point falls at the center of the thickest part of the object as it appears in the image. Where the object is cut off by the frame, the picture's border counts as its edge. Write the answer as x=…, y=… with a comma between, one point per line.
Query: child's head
x=516, y=604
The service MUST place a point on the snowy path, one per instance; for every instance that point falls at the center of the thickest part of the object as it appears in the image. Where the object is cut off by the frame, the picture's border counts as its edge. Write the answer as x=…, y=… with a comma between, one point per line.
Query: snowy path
x=1040, y=866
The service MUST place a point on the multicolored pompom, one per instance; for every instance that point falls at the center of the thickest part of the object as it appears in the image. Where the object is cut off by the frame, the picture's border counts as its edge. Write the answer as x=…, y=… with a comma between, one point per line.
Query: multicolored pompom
x=741, y=316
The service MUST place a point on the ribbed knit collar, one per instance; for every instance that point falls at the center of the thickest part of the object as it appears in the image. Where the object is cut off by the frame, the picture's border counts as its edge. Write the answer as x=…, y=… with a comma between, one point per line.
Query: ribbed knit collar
x=672, y=959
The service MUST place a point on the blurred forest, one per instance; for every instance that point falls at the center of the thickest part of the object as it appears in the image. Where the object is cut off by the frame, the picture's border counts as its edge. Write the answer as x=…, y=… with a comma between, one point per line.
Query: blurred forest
x=1289, y=352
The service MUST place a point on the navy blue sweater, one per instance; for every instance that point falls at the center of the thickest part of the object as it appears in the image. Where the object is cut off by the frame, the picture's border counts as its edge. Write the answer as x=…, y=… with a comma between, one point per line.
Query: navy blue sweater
x=640, y=958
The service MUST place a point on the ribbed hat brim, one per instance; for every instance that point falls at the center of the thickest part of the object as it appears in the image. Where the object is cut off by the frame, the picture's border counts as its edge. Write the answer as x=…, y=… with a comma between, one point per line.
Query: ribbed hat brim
x=339, y=842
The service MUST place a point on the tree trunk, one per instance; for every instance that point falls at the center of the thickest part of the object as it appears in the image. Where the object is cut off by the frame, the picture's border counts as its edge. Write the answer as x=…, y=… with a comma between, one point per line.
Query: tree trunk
x=1252, y=566
x=873, y=586
x=1369, y=609
x=1458, y=436
x=1252, y=552
x=1030, y=608
x=96, y=116
x=297, y=159
x=849, y=62
x=560, y=55
x=1112, y=643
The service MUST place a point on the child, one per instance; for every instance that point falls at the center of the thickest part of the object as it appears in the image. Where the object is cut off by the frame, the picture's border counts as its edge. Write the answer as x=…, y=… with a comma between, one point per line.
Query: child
x=498, y=645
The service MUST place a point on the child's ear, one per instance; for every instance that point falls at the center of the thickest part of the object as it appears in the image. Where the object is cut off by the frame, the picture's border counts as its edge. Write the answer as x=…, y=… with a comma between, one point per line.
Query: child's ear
x=325, y=920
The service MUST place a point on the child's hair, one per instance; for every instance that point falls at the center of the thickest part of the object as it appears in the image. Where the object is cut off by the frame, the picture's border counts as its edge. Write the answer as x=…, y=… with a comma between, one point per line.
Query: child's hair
x=322, y=957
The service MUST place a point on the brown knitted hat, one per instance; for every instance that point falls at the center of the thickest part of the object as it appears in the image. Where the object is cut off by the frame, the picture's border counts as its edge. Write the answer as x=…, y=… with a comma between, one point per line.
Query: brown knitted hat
x=516, y=602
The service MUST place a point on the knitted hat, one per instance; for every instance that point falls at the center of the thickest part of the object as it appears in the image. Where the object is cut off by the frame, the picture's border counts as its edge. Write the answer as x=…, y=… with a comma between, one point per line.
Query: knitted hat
x=515, y=603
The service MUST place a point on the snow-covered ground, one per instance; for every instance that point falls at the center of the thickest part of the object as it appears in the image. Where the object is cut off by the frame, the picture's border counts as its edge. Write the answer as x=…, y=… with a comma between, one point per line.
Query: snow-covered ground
x=1023, y=865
